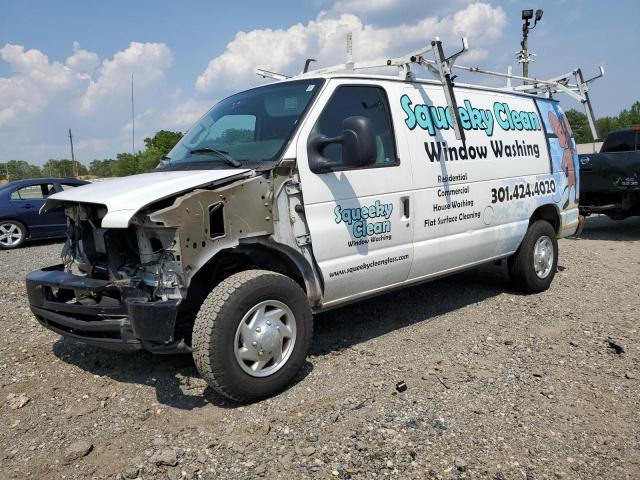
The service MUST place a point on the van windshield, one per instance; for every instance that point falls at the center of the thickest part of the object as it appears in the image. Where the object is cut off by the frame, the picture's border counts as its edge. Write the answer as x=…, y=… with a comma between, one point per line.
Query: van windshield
x=244, y=129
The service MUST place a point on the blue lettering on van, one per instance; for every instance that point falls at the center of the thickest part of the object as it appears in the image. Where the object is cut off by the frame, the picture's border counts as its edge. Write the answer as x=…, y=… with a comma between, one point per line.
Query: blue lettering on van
x=367, y=220
x=432, y=118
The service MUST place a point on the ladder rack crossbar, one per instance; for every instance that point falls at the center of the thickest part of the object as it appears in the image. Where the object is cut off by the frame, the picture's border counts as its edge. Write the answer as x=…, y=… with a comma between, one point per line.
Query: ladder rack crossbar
x=441, y=67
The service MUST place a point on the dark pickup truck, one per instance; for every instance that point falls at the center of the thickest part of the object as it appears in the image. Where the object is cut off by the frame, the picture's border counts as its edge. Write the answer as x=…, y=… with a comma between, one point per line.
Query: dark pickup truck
x=610, y=180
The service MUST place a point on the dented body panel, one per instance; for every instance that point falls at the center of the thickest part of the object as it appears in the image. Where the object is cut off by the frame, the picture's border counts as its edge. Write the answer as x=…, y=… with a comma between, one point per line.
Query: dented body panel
x=243, y=217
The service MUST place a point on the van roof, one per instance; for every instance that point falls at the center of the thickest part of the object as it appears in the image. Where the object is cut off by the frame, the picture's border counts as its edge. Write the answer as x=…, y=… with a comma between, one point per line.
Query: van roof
x=422, y=81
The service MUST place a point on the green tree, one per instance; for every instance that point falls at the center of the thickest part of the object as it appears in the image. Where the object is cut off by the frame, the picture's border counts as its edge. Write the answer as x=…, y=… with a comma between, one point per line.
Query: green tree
x=126, y=164
x=156, y=147
x=627, y=118
x=630, y=118
x=580, y=126
x=163, y=141
x=102, y=168
x=18, y=169
x=606, y=125
x=63, y=168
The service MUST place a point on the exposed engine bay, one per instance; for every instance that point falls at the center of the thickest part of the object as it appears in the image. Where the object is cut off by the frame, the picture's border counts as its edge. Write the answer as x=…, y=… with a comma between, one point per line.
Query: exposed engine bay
x=141, y=256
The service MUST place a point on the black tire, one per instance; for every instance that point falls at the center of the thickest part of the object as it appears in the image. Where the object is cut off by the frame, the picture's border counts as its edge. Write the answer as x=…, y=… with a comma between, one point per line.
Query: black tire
x=22, y=231
x=214, y=333
x=521, y=265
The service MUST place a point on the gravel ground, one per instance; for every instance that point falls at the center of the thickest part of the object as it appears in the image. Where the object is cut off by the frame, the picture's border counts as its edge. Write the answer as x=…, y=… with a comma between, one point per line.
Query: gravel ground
x=500, y=386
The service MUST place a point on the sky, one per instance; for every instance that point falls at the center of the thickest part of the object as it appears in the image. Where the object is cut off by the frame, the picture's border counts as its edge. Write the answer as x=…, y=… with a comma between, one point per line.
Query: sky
x=68, y=63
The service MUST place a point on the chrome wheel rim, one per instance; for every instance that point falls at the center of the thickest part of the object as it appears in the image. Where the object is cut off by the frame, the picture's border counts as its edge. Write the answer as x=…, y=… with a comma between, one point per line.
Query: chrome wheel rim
x=265, y=338
x=10, y=234
x=543, y=257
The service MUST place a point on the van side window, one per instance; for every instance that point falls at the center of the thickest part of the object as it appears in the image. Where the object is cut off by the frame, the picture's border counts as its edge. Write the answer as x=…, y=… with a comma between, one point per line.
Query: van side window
x=357, y=100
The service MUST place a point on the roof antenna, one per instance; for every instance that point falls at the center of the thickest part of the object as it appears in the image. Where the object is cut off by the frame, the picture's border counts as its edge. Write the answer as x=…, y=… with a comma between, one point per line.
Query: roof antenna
x=349, y=64
x=133, y=122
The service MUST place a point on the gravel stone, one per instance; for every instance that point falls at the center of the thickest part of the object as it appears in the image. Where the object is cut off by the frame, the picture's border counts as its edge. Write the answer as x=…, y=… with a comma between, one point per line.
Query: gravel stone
x=460, y=464
x=17, y=401
x=166, y=456
x=77, y=450
x=308, y=451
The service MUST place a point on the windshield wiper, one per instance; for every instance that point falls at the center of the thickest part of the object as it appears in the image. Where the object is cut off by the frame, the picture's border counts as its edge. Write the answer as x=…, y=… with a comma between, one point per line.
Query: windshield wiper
x=220, y=153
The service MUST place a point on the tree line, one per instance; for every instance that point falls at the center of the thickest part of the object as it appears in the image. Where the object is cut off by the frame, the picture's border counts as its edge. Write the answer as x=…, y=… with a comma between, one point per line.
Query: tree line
x=124, y=164
x=580, y=125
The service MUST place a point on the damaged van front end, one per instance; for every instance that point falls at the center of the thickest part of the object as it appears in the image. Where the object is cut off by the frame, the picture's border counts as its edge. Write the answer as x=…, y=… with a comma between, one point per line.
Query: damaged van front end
x=125, y=272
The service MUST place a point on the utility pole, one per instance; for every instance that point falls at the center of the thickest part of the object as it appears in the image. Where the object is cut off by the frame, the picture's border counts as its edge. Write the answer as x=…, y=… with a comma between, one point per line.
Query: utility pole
x=524, y=56
x=133, y=122
x=73, y=158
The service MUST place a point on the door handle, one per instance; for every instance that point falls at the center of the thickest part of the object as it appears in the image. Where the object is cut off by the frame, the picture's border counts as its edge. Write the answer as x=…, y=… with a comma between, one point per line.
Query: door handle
x=27, y=206
x=406, y=212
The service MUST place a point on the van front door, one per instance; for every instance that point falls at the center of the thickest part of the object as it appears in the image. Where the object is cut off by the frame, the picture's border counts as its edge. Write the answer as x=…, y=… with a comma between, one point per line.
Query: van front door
x=359, y=219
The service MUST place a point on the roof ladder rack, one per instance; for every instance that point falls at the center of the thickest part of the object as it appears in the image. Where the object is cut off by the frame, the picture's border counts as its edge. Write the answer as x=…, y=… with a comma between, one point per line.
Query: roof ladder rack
x=441, y=68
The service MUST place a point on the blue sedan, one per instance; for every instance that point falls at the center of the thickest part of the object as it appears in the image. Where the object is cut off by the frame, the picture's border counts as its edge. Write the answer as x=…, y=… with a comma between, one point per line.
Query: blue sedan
x=20, y=203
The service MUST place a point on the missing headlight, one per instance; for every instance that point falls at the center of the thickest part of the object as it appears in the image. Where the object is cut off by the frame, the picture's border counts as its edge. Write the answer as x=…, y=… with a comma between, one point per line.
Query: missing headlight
x=216, y=220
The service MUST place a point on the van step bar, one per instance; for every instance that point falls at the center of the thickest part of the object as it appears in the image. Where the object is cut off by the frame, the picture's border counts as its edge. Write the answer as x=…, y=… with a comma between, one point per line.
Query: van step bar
x=441, y=68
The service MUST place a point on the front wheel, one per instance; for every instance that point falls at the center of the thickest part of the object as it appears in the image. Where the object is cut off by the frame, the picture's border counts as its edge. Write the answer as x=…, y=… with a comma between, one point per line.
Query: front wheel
x=252, y=334
x=534, y=264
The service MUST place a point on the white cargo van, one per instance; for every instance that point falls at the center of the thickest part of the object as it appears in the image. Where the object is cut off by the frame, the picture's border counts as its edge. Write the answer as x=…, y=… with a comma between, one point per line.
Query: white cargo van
x=303, y=195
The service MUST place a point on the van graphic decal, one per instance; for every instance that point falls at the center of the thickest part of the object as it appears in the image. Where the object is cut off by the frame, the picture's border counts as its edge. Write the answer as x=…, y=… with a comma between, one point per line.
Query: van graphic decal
x=432, y=118
x=563, y=151
x=366, y=221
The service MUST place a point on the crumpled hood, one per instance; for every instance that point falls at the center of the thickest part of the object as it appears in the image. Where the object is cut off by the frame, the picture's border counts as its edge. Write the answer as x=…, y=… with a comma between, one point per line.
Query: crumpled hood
x=125, y=196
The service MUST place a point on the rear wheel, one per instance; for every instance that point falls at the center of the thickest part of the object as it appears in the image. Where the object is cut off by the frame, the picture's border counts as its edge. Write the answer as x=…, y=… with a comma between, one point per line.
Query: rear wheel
x=13, y=234
x=252, y=334
x=534, y=264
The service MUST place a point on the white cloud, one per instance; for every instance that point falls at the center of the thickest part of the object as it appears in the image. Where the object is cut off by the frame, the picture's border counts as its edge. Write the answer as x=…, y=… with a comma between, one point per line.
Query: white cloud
x=184, y=114
x=363, y=6
x=479, y=20
x=324, y=38
x=35, y=82
x=82, y=61
x=148, y=62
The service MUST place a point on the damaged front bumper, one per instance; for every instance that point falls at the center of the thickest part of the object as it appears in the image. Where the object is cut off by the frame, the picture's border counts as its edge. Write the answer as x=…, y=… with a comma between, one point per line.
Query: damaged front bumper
x=102, y=312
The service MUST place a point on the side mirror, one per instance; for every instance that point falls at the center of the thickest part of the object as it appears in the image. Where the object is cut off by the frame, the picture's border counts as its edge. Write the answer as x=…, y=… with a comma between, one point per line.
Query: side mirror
x=359, y=148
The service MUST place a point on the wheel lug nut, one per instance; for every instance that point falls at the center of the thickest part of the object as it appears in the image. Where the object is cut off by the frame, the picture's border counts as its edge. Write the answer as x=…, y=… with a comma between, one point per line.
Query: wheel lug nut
x=268, y=323
x=258, y=329
x=278, y=328
x=255, y=344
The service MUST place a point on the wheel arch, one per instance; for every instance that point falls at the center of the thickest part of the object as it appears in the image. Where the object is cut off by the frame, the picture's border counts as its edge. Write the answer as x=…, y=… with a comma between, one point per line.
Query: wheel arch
x=250, y=254
x=548, y=212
